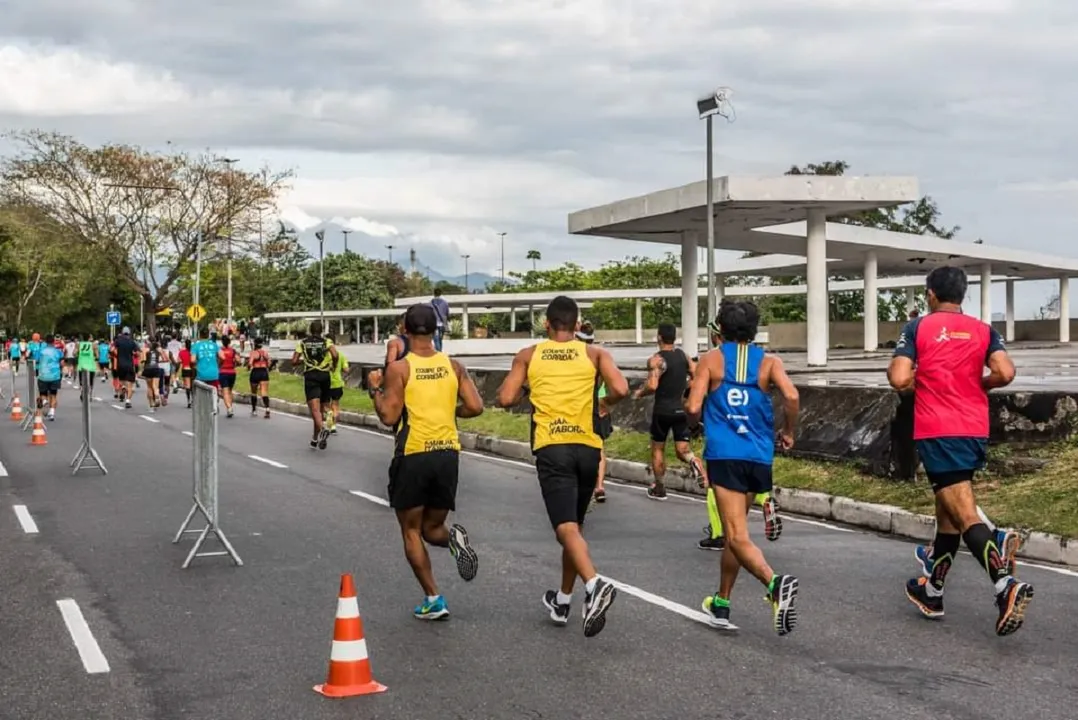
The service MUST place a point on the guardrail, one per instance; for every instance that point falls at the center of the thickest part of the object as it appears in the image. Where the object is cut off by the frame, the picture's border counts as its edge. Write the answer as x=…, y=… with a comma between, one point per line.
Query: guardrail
x=87, y=456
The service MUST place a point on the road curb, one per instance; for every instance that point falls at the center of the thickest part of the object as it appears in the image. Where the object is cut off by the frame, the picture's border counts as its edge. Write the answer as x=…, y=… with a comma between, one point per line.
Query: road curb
x=1043, y=547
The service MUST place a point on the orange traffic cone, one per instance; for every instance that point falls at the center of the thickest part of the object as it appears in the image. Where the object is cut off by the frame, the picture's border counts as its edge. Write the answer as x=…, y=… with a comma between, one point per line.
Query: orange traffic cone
x=16, y=409
x=349, y=665
x=37, y=437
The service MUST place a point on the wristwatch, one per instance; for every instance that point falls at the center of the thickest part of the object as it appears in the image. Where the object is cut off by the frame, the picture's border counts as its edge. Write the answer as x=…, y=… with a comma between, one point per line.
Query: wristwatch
x=372, y=391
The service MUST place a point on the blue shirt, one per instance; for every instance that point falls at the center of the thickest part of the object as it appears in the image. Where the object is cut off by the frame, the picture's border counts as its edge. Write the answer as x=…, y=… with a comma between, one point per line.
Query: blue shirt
x=103, y=353
x=205, y=355
x=441, y=310
x=14, y=349
x=739, y=423
x=48, y=364
x=33, y=349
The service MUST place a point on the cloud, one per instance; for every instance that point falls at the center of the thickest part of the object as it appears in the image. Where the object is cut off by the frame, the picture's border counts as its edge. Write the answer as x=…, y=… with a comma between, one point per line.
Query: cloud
x=440, y=123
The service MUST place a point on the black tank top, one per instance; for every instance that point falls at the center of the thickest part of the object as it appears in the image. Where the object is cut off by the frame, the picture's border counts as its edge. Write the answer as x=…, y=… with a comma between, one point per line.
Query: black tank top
x=672, y=383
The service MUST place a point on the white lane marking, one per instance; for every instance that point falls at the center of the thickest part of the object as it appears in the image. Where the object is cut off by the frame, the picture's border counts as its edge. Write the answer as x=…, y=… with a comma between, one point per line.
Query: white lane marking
x=97, y=399
x=3, y=470
x=373, y=498
x=274, y=463
x=188, y=433
x=118, y=407
x=25, y=519
x=659, y=601
x=92, y=658
x=147, y=418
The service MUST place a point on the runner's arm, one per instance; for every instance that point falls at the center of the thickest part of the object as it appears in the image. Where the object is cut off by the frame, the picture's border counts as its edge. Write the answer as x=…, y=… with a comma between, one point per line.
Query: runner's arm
x=900, y=373
x=389, y=398
x=392, y=353
x=617, y=387
x=701, y=383
x=1000, y=367
x=656, y=368
x=791, y=398
x=511, y=391
x=471, y=403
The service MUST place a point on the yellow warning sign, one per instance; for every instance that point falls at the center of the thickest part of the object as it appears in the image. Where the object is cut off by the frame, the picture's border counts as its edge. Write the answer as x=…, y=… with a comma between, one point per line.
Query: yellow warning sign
x=196, y=313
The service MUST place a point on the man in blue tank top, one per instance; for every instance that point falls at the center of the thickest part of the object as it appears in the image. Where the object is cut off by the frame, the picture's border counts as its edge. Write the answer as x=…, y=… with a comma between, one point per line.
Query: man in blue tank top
x=731, y=388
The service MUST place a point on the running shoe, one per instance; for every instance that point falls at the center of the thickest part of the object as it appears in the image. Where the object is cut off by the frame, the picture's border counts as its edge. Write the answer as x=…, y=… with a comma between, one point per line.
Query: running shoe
x=783, y=599
x=710, y=543
x=923, y=553
x=931, y=606
x=461, y=549
x=657, y=491
x=267, y=415
x=558, y=613
x=314, y=444
x=322, y=438
x=596, y=605
x=1009, y=543
x=600, y=496
x=1012, y=604
x=772, y=521
x=718, y=615
x=436, y=610
x=695, y=474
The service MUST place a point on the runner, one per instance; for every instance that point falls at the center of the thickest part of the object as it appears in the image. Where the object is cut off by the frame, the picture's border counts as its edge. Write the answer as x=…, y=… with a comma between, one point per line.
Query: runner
x=228, y=357
x=103, y=359
x=336, y=391
x=604, y=424
x=126, y=353
x=205, y=355
x=49, y=376
x=316, y=354
x=87, y=363
x=71, y=352
x=174, y=347
x=397, y=347
x=16, y=355
x=732, y=388
x=259, y=362
x=941, y=356
x=561, y=372
x=151, y=373
x=669, y=372
x=419, y=396
x=165, y=384
x=187, y=370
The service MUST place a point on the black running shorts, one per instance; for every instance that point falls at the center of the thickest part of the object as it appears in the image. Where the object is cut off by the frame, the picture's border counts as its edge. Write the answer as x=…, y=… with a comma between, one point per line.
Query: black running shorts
x=426, y=479
x=48, y=387
x=227, y=380
x=316, y=385
x=740, y=475
x=336, y=393
x=662, y=424
x=259, y=375
x=567, y=478
x=124, y=373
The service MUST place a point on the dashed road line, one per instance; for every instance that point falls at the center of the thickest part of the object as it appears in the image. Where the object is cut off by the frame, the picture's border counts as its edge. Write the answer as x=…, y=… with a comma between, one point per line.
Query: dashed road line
x=274, y=463
x=118, y=407
x=89, y=651
x=25, y=519
x=147, y=418
x=373, y=498
x=3, y=470
x=188, y=433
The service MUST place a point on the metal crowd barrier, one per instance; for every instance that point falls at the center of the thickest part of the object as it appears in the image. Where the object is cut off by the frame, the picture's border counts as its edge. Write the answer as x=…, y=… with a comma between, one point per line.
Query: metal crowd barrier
x=87, y=456
x=204, y=427
x=30, y=406
x=11, y=386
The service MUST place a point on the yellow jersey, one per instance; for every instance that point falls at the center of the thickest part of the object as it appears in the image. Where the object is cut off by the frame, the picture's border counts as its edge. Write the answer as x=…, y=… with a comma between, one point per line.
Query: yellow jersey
x=564, y=395
x=429, y=419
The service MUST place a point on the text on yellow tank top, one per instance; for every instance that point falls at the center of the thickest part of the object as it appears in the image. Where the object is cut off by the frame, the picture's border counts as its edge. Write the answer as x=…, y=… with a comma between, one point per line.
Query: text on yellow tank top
x=563, y=395
x=429, y=421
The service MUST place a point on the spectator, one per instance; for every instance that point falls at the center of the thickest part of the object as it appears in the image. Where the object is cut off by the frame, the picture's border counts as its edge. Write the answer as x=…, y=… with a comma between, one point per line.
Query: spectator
x=441, y=316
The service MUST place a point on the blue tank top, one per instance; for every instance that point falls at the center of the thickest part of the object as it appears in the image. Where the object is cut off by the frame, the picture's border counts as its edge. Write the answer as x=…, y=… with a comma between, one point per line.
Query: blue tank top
x=739, y=423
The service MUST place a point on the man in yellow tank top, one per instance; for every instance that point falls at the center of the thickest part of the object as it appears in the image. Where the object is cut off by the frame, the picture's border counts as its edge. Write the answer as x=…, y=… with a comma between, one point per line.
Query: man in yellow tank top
x=419, y=396
x=561, y=375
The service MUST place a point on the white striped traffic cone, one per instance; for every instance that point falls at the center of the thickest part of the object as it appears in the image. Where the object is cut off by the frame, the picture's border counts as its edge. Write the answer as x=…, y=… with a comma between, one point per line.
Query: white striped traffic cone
x=349, y=664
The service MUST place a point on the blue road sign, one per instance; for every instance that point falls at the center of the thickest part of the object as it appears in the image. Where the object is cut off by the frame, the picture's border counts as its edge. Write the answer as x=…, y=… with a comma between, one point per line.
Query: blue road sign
x=112, y=318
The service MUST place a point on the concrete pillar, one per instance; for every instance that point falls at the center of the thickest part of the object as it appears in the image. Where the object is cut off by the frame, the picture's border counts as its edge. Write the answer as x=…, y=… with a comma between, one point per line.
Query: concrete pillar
x=911, y=301
x=986, y=293
x=512, y=319
x=464, y=320
x=1064, y=309
x=816, y=280
x=690, y=294
x=720, y=292
x=872, y=317
x=1008, y=334
x=639, y=321
x=531, y=320
x=375, y=318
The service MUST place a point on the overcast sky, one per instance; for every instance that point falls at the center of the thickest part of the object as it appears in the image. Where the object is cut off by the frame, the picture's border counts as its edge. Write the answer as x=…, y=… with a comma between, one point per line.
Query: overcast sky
x=445, y=122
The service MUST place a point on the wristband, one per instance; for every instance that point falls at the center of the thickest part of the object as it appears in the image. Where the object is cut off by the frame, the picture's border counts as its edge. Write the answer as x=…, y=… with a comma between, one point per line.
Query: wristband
x=375, y=391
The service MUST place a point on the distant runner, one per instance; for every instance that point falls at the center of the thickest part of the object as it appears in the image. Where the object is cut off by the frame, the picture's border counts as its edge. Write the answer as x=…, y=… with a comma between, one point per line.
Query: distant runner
x=16, y=355
x=205, y=355
x=259, y=363
x=49, y=376
x=126, y=352
x=87, y=363
x=316, y=354
x=227, y=357
x=187, y=369
x=336, y=391
x=103, y=359
x=422, y=396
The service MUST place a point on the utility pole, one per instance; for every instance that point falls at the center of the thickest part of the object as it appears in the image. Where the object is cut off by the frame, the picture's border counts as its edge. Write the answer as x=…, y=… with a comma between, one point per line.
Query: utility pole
x=412, y=260
x=503, y=256
x=390, y=249
x=465, y=273
x=346, y=233
x=321, y=235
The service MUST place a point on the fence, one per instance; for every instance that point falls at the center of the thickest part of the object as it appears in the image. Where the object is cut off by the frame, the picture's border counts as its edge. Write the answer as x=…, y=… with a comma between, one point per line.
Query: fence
x=204, y=492
x=87, y=456
x=31, y=395
x=11, y=386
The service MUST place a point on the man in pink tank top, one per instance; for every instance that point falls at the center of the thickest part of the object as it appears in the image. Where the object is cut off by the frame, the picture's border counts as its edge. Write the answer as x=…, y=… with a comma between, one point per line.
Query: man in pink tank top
x=942, y=357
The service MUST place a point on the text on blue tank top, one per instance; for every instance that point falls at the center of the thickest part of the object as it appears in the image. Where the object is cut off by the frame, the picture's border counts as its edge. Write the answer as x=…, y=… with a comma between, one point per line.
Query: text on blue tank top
x=739, y=423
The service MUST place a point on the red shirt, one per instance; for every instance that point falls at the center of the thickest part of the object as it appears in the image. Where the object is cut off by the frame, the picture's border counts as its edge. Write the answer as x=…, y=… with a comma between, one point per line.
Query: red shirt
x=228, y=361
x=950, y=351
x=185, y=359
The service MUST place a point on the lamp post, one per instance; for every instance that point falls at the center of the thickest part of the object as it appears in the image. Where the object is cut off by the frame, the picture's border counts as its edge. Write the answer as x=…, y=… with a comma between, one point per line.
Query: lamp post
x=502, y=235
x=465, y=273
x=708, y=107
x=229, y=162
x=321, y=235
x=346, y=233
x=390, y=249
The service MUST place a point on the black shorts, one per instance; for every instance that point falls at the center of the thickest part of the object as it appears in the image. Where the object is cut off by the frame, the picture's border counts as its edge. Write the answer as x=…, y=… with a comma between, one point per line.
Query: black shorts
x=662, y=424
x=741, y=476
x=48, y=387
x=69, y=361
x=124, y=373
x=151, y=374
x=227, y=380
x=316, y=385
x=187, y=373
x=259, y=375
x=952, y=460
x=604, y=426
x=567, y=478
x=103, y=366
x=426, y=479
x=336, y=393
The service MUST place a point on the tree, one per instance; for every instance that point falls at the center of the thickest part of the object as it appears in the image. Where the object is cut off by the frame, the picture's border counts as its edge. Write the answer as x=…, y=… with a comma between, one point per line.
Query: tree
x=535, y=256
x=147, y=214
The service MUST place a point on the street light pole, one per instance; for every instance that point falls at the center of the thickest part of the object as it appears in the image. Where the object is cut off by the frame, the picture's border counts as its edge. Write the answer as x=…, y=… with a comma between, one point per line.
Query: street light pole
x=321, y=235
x=390, y=249
x=465, y=273
x=346, y=233
x=708, y=107
x=502, y=235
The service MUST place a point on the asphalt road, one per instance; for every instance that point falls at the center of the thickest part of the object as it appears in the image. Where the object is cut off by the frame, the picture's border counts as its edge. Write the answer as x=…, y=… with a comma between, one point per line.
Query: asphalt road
x=246, y=643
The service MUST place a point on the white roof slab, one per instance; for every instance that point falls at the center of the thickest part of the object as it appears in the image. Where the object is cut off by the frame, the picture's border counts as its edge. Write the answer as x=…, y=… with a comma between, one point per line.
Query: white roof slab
x=741, y=204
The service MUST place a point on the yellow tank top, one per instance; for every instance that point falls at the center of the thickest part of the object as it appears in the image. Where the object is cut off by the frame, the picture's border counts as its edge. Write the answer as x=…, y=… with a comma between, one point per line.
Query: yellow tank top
x=563, y=395
x=429, y=420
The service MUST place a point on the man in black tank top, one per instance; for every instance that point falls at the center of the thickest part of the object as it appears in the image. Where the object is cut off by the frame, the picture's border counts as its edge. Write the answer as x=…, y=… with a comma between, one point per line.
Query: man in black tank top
x=397, y=347
x=669, y=372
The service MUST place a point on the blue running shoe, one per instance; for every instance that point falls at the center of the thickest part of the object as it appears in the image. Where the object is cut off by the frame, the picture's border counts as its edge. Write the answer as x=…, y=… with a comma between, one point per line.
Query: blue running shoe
x=923, y=553
x=1009, y=543
x=436, y=610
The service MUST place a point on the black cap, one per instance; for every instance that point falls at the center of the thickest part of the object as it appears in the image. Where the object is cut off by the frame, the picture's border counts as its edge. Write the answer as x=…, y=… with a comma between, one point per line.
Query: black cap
x=420, y=320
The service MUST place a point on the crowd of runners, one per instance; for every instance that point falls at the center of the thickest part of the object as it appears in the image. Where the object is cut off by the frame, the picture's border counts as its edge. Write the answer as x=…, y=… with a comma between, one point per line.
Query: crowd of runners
x=725, y=396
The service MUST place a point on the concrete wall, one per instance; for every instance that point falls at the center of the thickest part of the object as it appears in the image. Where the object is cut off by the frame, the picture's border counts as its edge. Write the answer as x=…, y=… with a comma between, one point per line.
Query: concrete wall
x=1036, y=330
